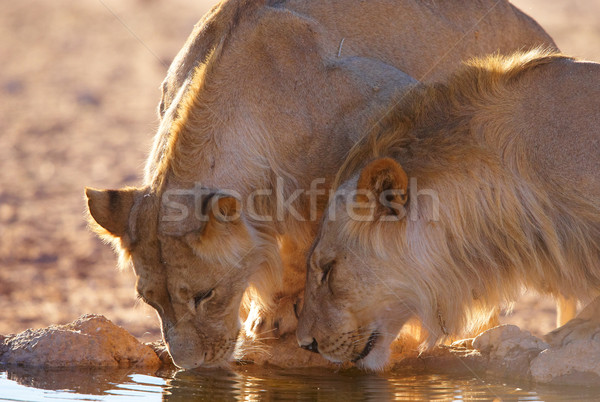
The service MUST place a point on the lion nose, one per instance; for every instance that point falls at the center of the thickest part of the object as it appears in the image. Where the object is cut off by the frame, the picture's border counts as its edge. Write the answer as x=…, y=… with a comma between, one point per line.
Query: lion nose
x=313, y=346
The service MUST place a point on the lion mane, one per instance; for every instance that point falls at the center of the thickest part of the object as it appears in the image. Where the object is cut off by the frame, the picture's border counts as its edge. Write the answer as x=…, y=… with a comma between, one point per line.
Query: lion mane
x=505, y=154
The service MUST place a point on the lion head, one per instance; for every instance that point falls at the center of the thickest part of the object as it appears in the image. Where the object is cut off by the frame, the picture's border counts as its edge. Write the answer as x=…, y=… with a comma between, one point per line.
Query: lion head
x=375, y=266
x=185, y=276
x=353, y=308
x=487, y=218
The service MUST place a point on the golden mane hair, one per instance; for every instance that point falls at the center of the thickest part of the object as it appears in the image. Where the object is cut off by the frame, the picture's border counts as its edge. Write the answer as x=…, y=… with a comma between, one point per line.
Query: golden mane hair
x=438, y=106
x=502, y=224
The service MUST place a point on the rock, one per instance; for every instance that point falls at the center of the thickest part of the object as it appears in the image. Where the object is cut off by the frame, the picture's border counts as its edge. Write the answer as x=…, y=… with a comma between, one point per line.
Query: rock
x=574, y=357
x=504, y=341
x=161, y=351
x=577, y=363
x=571, y=357
x=585, y=326
x=91, y=340
x=509, y=350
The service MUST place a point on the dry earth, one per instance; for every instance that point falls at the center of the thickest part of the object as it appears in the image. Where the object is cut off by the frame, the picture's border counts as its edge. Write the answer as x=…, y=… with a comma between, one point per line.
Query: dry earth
x=78, y=91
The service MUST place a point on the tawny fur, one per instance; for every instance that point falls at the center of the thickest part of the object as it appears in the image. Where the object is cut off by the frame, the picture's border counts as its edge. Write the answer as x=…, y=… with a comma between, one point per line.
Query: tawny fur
x=506, y=155
x=271, y=95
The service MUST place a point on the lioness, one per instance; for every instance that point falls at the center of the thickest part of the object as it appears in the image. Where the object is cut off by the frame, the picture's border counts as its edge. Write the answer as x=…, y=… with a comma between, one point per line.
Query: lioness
x=465, y=191
x=261, y=106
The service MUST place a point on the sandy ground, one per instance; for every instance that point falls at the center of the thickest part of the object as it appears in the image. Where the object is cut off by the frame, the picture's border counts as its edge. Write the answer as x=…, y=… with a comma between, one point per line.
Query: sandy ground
x=78, y=94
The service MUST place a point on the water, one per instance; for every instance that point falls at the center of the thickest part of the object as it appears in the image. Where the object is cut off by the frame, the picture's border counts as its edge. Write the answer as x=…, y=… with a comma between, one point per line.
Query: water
x=251, y=383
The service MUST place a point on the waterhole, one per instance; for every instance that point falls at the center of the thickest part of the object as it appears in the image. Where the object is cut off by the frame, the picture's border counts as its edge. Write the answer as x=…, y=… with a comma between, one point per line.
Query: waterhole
x=258, y=383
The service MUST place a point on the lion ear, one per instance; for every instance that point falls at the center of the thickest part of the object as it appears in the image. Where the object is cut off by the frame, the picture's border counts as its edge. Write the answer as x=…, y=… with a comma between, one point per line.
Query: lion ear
x=110, y=208
x=218, y=211
x=385, y=181
x=226, y=208
x=218, y=208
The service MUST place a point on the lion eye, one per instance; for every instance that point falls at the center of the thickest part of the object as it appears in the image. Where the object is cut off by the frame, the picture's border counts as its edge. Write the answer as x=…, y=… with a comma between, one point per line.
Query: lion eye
x=326, y=270
x=200, y=297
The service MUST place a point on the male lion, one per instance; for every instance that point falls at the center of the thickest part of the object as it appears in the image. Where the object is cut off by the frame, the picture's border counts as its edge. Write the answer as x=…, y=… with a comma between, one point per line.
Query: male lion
x=261, y=106
x=464, y=192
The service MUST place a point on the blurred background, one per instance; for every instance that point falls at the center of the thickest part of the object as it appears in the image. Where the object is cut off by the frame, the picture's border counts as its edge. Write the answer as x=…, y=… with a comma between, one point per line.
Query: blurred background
x=79, y=87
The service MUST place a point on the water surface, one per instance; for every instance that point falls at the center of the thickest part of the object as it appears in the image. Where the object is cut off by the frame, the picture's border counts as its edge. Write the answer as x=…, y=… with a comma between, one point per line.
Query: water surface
x=251, y=383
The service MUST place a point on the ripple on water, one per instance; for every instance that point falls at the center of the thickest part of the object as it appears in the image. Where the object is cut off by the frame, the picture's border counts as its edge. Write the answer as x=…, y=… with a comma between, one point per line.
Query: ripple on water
x=253, y=383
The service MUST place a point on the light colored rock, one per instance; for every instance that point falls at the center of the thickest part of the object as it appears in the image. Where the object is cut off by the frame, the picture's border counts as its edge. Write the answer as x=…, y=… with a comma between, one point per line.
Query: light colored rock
x=574, y=357
x=504, y=341
x=577, y=363
x=585, y=326
x=509, y=350
x=91, y=340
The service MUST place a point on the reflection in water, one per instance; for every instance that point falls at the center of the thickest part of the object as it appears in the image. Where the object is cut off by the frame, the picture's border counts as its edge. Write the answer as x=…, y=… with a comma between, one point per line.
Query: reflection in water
x=259, y=383
x=99, y=384
x=250, y=383
x=91, y=381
